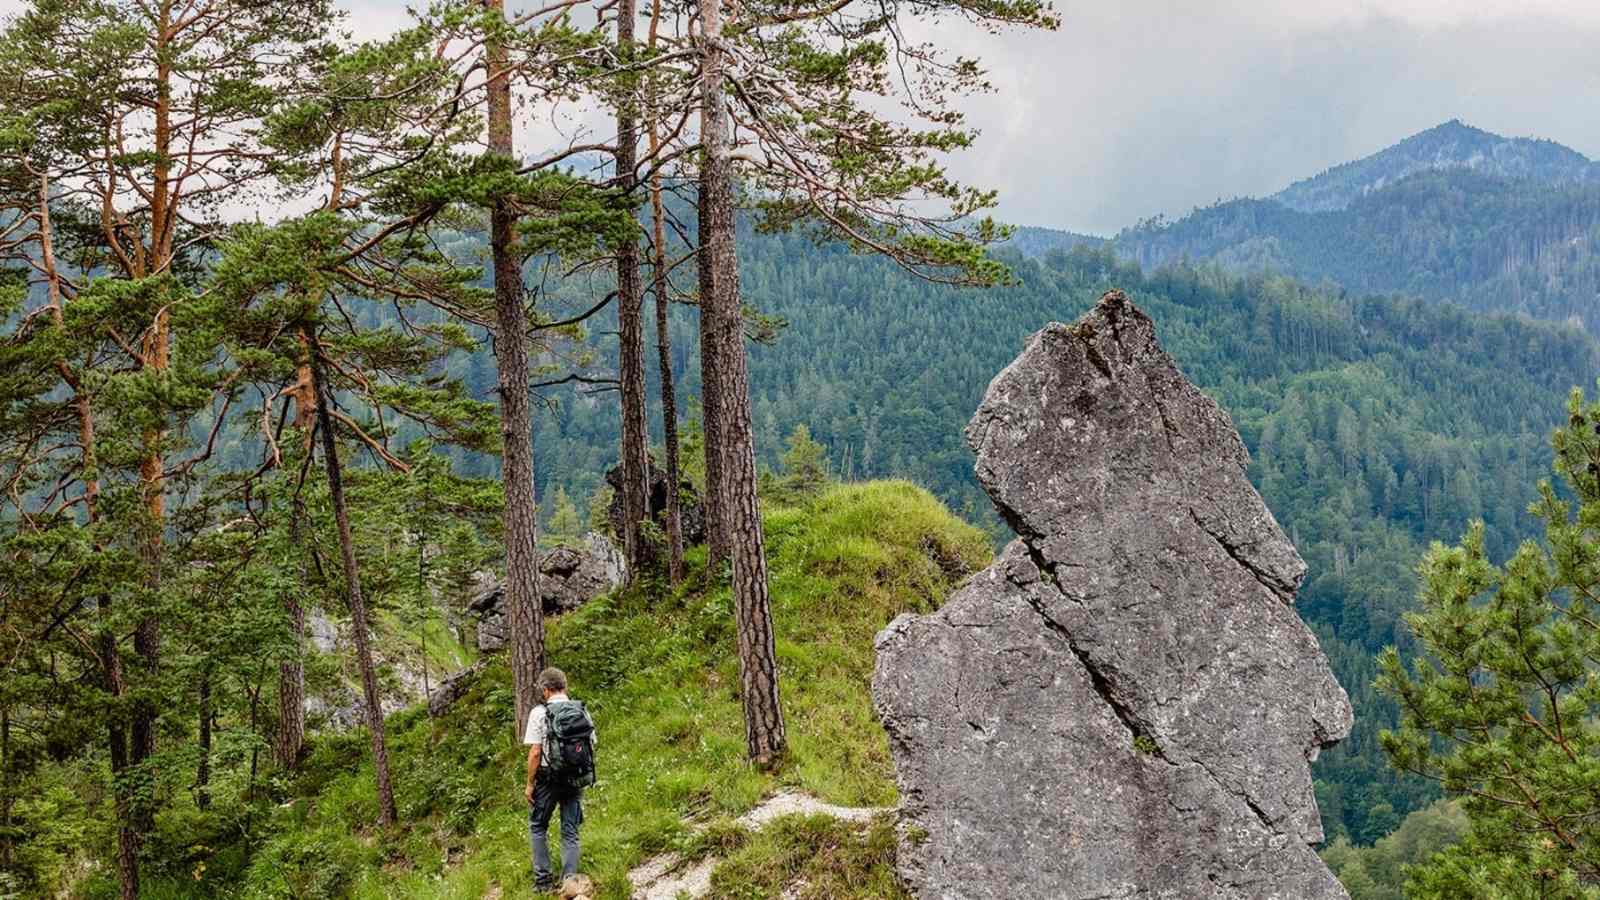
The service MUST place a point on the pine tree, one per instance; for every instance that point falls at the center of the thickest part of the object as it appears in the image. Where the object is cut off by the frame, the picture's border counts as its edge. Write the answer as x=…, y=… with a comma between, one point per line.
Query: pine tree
x=564, y=527
x=805, y=463
x=131, y=121
x=524, y=610
x=829, y=162
x=1501, y=705
x=630, y=300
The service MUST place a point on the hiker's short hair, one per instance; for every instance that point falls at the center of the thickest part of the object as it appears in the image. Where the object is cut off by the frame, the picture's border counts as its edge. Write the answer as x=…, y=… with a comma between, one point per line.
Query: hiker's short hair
x=553, y=680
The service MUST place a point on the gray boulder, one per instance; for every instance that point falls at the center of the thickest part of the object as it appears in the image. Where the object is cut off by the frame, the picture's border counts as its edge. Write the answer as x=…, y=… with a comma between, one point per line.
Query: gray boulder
x=1126, y=703
x=321, y=631
x=568, y=578
x=691, y=515
x=453, y=688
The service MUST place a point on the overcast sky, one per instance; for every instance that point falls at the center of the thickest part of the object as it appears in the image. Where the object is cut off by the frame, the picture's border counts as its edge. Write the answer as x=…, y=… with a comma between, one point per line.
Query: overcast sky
x=1139, y=107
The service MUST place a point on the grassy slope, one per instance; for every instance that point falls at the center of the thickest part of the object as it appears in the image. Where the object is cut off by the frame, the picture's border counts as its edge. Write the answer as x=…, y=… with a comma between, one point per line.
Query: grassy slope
x=659, y=674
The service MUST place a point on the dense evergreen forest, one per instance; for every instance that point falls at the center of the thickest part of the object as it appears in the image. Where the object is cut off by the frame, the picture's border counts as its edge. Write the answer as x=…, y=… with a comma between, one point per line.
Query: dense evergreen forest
x=1486, y=242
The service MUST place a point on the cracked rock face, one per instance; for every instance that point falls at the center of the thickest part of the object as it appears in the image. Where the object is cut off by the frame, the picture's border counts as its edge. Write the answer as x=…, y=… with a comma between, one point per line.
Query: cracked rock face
x=1125, y=704
x=568, y=578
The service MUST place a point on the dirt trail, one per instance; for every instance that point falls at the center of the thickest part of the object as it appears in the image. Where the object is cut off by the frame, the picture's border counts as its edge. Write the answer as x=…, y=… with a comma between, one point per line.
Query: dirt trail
x=665, y=877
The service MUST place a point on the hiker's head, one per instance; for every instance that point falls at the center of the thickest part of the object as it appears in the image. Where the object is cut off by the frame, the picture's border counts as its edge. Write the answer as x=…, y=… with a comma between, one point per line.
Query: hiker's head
x=552, y=681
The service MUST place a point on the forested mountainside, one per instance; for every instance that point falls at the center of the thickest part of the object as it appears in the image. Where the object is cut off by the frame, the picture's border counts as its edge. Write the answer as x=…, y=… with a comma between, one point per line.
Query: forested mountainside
x=1485, y=242
x=1453, y=214
x=1034, y=241
x=1452, y=145
x=1376, y=424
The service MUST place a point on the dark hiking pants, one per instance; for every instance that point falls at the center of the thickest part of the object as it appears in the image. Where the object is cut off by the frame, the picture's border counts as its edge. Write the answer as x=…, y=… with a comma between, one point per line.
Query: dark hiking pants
x=547, y=795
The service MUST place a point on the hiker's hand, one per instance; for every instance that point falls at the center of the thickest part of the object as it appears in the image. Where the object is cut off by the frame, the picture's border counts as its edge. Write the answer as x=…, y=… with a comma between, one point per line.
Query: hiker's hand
x=528, y=792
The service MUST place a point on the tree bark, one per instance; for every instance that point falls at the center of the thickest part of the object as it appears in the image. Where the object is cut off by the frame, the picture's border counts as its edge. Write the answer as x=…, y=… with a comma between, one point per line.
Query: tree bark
x=291, y=737
x=147, y=633
x=758, y=664
x=155, y=355
x=525, y=614
x=669, y=397
x=630, y=321
x=713, y=504
x=202, y=777
x=358, y=606
x=662, y=289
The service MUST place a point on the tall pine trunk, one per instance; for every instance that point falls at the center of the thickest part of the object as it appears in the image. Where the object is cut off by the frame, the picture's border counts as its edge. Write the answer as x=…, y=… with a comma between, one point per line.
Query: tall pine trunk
x=155, y=356
x=714, y=504
x=291, y=735
x=662, y=289
x=630, y=321
x=202, y=775
x=758, y=663
x=147, y=633
x=525, y=614
x=669, y=398
x=358, y=606
x=110, y=655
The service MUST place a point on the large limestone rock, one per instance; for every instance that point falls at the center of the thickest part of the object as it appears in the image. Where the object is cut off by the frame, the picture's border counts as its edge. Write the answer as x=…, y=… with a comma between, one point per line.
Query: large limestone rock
x=691, y=516
x=568, y=578
x=1126, y=703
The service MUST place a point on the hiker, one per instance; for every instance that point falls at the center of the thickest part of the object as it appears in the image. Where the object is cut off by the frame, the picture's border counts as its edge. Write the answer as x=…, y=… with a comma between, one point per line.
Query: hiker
x=560, y=739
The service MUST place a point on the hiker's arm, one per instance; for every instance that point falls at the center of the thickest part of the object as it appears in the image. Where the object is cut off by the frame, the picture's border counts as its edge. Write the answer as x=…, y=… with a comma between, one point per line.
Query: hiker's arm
x=533, y=769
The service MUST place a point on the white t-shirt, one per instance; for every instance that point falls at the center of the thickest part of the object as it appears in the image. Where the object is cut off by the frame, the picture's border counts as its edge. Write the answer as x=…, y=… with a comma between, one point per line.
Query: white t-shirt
x=533, y=735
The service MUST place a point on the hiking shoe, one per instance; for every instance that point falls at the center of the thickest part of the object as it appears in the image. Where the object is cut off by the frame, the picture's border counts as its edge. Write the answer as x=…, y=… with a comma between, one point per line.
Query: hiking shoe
x=546, y=886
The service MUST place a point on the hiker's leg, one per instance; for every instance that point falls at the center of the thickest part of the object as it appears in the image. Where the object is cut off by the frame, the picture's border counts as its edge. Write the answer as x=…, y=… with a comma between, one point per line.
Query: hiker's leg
x=571, y=819
x=544, y=802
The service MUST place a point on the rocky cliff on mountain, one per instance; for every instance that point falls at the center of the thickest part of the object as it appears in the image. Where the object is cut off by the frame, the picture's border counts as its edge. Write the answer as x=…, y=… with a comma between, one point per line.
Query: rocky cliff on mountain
x=1126, y=703
x=568, y=578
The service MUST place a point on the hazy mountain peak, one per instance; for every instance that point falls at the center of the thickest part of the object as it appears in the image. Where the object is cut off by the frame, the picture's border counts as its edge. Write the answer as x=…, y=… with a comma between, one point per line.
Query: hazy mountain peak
x=1451, y=145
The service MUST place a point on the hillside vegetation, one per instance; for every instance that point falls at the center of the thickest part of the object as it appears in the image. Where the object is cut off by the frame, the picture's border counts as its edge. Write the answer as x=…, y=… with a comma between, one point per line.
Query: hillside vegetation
x=1485, y=242
x=658, y=672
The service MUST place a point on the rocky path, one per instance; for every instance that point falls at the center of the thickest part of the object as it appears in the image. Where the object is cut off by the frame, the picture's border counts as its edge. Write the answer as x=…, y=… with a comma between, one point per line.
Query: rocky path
x=668, y=877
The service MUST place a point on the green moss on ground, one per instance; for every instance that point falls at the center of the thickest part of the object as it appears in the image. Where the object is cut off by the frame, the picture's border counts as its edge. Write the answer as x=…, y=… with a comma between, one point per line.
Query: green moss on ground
x=658, y=671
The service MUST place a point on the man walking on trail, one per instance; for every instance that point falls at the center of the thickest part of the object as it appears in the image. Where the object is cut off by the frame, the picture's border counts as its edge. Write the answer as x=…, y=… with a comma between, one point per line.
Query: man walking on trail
x=560, y=739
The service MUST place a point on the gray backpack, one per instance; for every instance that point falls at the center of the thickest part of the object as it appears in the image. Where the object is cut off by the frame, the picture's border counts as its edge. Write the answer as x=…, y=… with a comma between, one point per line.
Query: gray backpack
x=569, y=743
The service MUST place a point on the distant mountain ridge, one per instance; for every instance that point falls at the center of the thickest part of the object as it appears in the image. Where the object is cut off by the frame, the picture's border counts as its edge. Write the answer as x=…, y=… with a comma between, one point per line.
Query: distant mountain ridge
x=1031, y=240
x=1452, y=145
x=1454, y=214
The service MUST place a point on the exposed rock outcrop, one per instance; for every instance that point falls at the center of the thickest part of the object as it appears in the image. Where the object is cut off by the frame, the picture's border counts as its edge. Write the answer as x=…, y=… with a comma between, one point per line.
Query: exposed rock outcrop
x=568, y=578
x=689, y=510
x=1126, y=703
x=336, y=703
x=453, y=688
